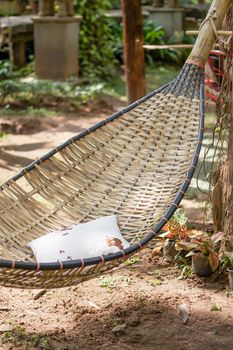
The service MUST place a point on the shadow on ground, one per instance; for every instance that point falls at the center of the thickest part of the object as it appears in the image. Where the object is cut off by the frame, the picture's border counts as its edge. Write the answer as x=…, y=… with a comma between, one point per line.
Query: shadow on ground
x=9, y=161
x=144, y=323
x=138, y=309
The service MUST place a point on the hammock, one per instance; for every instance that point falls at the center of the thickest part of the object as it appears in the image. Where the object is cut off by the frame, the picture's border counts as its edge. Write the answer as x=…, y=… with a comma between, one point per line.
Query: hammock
x=136, y=164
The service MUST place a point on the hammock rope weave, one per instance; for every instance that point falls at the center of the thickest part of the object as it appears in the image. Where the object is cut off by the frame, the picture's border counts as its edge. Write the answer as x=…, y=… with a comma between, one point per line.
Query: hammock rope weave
x=136, y=164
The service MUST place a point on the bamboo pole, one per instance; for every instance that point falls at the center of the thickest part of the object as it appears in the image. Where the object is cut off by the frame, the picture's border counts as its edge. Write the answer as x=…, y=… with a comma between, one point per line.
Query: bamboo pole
x=175, y=46
x=206, y=37
x=219, y=32
x=162, y=47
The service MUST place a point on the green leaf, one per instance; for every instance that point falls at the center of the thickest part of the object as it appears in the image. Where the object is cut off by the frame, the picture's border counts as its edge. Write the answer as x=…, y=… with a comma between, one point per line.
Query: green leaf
x=215, y=307
x=180, y=217
x=229, y=255
x=132, y=261
x=155, y=282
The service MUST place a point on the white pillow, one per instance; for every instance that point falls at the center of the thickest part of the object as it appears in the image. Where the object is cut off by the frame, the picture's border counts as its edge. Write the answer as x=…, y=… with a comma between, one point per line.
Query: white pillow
x=98, y=237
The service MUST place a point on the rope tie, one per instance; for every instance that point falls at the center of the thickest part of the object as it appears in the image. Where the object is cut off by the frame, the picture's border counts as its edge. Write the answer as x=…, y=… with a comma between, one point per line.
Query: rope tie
x=226, y=44
x=211, y=17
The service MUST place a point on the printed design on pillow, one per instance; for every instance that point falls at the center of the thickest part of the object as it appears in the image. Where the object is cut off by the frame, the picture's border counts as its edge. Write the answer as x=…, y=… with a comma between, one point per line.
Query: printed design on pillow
x=114, y=242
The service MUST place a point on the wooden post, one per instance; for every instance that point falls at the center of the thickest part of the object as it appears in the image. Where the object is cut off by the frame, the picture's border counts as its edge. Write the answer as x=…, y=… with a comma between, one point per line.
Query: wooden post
x=19, y=54
x=133, y=49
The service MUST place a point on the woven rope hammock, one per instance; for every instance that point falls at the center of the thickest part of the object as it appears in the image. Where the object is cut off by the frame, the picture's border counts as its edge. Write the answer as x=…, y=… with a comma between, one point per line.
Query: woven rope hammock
x=136, y=164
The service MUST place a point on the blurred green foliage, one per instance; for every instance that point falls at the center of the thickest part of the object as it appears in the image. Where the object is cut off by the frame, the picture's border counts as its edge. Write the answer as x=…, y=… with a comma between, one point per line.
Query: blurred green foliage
x=153, y=35
x=18, y=86
x=96, y=54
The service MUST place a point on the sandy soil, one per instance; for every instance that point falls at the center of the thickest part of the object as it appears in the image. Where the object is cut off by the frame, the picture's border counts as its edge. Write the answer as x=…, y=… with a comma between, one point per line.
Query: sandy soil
x=144, y=306
x=136, y=308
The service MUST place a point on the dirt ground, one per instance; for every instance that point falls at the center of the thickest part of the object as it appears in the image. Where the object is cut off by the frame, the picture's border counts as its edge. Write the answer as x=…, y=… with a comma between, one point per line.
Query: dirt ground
x=143, y=306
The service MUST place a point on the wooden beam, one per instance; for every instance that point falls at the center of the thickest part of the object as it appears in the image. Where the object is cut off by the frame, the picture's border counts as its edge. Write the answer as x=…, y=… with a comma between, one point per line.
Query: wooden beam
x=219, y=32
x=173, y=46
x=133, y=49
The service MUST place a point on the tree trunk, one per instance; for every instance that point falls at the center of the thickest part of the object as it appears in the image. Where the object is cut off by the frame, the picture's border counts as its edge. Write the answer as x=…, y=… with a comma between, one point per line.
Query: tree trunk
x=223, y=189
x=223, y=194
x=133, y=49
x=227, y=178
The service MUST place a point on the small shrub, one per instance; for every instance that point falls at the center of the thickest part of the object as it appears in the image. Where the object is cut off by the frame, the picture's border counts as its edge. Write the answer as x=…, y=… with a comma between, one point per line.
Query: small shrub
x=14, y=87
x=153, y=35
x=96, y=54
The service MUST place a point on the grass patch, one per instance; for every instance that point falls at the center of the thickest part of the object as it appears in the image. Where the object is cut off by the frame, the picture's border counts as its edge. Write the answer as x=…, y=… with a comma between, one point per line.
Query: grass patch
x=210, y=120
x=34, y=112
x=3, y=134
x=215, y=307
x=132, y=261
x=107, y=282
x=156, y=76
x=18, y=337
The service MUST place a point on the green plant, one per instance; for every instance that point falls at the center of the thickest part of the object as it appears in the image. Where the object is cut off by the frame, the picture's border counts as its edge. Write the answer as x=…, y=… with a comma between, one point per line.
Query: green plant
x=116, y=4
x=8, y=80
x=179, y=37
x=125, y=280
x=201, y=243
x=177, y=227
x=228, y=259
x=117, y=40
x=18, y=336
x=2, y=134
x=228, y=293
x=15, y=87
x=5, y=70
x=107, y=282
x=96, y=54
x=132, y=261
x=215, y=307
x=185, y=269
x=155, y=282
x=175, y=230
x=156, y=35
x=153, y=35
